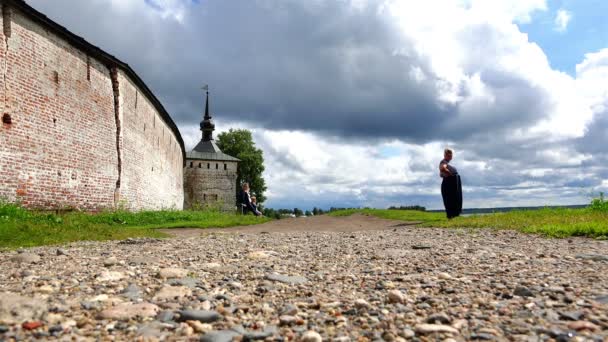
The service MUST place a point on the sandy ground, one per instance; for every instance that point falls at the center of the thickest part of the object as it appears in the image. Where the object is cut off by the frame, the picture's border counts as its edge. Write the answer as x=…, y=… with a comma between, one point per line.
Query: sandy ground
x=324, y=223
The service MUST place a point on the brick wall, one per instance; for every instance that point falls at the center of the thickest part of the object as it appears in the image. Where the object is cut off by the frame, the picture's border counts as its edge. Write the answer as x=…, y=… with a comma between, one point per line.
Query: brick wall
x=152, y=164
x=60, y=149
x=208, y=185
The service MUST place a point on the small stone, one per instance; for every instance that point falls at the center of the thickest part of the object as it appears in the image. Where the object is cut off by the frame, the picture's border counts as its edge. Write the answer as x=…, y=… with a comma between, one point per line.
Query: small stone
x=289, y=309
x=26, y=258
x=110, y=262
x=110, y=276
x=444, y=276
x=261, y=255
x=61, y=251
x=3, y=329
x=582, y=325
x=31, y=325
x=395, y=296
x=421, y=247
x=172, y=273
x=592, y=257
x=439, y=318
x=435, y=328
x=523, y=292
x=211, y=265
x=165, y=316
x=286, y=279
x=219, y=336
x=362, y=304
x=127, y=311
x=571, y=315
x=172, y=293
x=203, y=316
x=287, y=320
x=311, y=336
x=200, y=327
x=45, y=289
x=408, y=333
x=16, y=309
x=601, y=299
x=55, y=329
x=132, y=292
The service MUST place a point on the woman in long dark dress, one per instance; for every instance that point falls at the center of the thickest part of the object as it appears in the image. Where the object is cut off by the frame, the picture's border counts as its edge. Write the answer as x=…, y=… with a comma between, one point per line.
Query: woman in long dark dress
x=451, y=187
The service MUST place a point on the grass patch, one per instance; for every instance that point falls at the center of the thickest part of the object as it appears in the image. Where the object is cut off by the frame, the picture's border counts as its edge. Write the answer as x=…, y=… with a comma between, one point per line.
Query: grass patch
x=23, y=228
x=550, y=222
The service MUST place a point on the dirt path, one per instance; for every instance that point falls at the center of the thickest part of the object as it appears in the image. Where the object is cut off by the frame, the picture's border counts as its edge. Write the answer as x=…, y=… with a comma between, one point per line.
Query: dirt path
x=324, y=223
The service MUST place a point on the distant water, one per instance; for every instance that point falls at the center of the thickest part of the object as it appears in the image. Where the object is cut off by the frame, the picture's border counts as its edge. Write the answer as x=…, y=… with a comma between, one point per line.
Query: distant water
x=484, y=211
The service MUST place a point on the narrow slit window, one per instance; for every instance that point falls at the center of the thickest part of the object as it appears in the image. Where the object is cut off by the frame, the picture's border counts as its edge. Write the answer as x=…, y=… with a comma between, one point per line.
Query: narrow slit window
x=200, y=165
x=225, y=167
x=208, y=166
x=191, y=163
x=217, y=166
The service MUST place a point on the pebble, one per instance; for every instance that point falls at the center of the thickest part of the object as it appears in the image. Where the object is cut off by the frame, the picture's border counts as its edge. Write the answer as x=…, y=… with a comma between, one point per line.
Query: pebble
x=523, y=292
x=362, y=304
x=287, y=320
x=127, y=311
x=26, y=258
x=108, y=276
x=439, y=318
x=172, y=273
x=286, y=279
x=582, y=325
x=171, y=293
x=110, y=262
x=435, y=328
x=203, y=316
x=395, y=296
x=219, y=336
x=311, y=336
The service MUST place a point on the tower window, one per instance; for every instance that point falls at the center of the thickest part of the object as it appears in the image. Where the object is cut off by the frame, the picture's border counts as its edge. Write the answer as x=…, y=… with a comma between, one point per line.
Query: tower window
x=225, y=167
x=217, y=166
x=208, y=166
x=200, y=165
x=191, y=163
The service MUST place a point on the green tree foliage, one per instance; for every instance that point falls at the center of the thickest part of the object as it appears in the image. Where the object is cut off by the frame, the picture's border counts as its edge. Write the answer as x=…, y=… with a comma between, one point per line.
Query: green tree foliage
x=308, y=213
x=239, y=143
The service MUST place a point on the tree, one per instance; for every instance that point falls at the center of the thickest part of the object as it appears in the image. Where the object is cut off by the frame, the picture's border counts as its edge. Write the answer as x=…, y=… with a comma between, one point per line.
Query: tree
x=308, y=213
x=298, y=212
x=239, y=143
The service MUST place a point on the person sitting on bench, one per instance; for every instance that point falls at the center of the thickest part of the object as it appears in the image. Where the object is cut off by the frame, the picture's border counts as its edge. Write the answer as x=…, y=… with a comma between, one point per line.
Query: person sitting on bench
x=246, y=204
x=254, y=204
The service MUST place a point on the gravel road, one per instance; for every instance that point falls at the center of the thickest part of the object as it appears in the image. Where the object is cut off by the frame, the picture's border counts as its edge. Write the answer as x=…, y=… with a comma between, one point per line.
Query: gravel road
x=311, y=279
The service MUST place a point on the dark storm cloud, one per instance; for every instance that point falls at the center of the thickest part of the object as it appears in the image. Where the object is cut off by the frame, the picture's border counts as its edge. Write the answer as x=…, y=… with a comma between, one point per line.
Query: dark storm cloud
x=326, y=67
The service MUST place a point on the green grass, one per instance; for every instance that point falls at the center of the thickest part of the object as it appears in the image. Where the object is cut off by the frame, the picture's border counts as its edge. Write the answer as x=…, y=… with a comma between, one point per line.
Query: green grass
x=23, y=228
x=560, y=223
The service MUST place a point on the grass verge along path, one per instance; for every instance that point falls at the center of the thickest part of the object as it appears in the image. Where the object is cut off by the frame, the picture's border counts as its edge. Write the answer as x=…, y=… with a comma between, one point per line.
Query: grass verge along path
x=551, y=222
x=23, y=228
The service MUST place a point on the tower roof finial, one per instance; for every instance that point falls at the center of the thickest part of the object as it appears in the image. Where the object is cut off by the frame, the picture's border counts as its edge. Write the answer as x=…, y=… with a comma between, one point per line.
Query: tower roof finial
x=207, y=125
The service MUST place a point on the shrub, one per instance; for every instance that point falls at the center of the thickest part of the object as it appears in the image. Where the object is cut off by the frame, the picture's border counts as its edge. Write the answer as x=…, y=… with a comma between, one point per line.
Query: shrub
x=599, y=204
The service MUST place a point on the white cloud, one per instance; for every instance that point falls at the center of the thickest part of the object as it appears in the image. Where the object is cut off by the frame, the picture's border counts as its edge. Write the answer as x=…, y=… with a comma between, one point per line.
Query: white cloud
x=326, y=95
x=562, y=19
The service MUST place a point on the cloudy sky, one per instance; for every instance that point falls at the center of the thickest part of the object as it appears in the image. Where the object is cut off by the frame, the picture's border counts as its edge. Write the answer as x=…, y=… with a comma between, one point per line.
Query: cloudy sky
x=353, y=101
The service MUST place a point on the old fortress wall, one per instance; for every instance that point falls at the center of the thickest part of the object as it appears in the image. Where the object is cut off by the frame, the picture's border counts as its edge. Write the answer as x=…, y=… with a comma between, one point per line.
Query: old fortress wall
x=79, y=128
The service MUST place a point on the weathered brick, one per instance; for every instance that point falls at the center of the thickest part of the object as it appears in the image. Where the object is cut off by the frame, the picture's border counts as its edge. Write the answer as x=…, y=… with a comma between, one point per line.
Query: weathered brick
x=61, y=148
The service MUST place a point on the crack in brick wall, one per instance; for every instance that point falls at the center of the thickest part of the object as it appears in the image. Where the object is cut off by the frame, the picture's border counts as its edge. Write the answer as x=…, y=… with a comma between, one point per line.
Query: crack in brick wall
x=116, y=90
x=6, y=27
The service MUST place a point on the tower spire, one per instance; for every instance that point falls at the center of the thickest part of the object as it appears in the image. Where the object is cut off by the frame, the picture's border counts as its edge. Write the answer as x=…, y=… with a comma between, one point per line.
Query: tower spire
x=207, y=125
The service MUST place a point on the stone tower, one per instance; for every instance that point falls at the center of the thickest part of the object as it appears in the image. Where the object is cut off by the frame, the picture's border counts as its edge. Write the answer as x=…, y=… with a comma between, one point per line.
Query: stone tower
x=210, y=174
